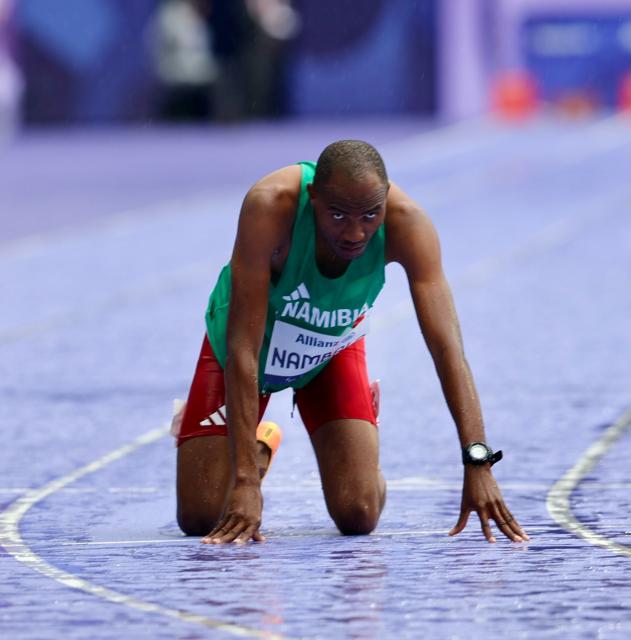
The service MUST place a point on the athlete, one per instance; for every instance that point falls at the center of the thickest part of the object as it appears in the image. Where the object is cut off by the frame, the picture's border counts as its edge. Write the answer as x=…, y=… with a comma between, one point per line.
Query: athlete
x=291, y=310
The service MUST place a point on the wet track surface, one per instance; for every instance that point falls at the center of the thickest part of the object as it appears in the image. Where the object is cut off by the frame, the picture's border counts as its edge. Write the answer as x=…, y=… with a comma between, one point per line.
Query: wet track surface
x=100, y=329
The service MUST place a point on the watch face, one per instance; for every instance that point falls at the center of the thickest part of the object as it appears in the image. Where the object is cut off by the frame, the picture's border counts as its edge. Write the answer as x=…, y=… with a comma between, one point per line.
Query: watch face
x=478, y=452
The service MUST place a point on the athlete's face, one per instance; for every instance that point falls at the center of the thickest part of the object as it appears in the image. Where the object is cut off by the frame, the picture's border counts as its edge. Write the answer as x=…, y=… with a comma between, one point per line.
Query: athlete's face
x=349, y=212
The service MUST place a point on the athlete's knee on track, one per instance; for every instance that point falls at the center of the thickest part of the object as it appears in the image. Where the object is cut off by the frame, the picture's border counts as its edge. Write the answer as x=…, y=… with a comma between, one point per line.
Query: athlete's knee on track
x=195, y=522
x=359, y=515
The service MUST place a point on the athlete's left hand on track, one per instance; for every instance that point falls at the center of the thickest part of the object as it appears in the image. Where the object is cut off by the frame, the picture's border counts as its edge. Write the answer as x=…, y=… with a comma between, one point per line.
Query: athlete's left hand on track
x=480, y=493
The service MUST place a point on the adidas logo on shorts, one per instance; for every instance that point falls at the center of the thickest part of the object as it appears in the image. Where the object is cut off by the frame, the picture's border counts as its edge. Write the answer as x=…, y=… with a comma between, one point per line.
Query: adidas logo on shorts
x=218, y=418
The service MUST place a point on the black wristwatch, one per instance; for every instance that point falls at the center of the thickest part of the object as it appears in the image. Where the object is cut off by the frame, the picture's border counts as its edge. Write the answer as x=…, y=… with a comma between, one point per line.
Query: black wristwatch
x=479, y=453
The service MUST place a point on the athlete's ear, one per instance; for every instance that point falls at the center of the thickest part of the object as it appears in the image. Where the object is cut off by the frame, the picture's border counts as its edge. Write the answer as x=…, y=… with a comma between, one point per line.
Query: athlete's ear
x=310, y=190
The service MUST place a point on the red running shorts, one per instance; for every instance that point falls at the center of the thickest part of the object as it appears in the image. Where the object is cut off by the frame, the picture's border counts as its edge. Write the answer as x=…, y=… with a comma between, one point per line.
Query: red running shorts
x=340, y=391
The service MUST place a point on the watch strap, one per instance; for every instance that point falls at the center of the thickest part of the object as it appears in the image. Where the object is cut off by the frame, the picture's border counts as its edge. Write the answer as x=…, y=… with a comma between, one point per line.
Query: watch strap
x=496, y=457
x=491, y=458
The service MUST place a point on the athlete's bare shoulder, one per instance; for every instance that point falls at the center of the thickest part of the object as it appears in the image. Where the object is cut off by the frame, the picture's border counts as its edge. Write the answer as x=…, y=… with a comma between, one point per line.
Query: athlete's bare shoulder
x=411, y=238
x=277, y=193
x=268, y=213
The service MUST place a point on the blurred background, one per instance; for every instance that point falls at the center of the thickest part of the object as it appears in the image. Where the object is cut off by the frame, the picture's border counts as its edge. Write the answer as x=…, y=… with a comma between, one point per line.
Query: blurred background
x=79, y=62
x=110, y=106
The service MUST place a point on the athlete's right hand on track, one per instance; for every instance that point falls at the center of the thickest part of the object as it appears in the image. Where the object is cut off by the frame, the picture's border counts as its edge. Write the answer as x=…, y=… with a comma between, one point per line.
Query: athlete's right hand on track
x=242, y=517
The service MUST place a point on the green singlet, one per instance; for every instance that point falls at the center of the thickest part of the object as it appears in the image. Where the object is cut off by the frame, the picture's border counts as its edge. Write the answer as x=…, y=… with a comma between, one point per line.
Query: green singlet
x=310, y=317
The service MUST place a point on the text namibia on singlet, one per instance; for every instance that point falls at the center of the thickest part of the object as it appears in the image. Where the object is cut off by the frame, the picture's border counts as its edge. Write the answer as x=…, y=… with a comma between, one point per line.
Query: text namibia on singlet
x=310, y=314
x=299, y=307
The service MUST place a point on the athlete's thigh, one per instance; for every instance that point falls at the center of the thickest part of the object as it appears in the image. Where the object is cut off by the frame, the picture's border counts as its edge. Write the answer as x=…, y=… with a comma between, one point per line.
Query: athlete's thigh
x=339, y=413
x=341, y=391
x=348, y=458
x=203, y=482
x=354, y=489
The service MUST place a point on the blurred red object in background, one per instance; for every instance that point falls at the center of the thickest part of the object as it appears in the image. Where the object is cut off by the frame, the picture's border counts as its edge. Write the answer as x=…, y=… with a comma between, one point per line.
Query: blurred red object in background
x=624, y=92
x=514, y=94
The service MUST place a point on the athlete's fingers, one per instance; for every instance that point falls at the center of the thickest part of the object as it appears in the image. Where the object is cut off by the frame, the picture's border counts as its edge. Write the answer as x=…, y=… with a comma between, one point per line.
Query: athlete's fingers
x=221, y=526
x=510, y=527
x=462, y=522
x=230, y=535
x=506, y=529
x=224, y=525
x=520, y=530
x=486, y=527
x=249, y=534
x=515, y=526
x=503, y=520
x=242, y=538
x=258, y=536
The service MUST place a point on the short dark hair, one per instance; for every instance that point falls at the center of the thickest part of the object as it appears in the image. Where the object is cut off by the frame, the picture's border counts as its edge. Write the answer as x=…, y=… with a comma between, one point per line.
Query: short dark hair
x=355, y=158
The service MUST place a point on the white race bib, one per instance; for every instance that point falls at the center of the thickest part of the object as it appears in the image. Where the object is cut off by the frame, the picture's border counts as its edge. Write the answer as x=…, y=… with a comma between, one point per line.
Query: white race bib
x=294, y=351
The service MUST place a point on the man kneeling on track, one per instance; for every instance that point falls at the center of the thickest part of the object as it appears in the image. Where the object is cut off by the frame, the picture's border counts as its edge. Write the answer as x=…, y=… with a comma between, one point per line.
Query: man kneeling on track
x=290, y=310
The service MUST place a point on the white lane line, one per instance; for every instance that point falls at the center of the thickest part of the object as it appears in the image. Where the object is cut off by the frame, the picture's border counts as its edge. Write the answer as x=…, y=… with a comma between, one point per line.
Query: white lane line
x=98, y=543
x=558, y=502
x=324, y=533
x=11, y=540
x=132, y=490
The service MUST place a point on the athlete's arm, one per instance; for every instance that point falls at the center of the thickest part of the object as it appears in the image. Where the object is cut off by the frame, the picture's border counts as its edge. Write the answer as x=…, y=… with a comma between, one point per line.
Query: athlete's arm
x=264, y=226
x=413, y=242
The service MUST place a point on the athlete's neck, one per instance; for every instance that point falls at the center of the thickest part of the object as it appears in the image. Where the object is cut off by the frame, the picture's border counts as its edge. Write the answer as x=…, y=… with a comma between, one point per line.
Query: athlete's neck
x=329, y=264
